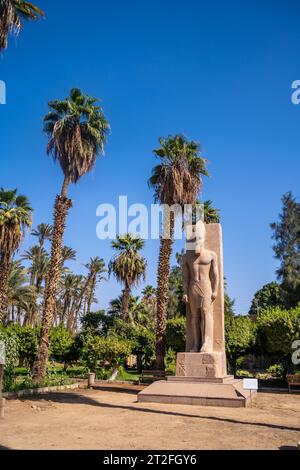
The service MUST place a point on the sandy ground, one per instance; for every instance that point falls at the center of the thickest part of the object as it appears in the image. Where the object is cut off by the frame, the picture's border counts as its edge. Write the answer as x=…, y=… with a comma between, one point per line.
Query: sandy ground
x=109, y=417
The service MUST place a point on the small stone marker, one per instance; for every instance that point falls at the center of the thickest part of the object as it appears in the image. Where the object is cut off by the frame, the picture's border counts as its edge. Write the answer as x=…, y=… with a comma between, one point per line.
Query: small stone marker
x=91, y=379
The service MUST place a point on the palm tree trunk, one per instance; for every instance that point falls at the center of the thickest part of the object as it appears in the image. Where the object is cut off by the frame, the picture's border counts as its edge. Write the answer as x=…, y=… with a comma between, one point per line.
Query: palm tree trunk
x=163, y=276
x=4, y=275
x=61, y=208
x=125, y=303
x=91, y=295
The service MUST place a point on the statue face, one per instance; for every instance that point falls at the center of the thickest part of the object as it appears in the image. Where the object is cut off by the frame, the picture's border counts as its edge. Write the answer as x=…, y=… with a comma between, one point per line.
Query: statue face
x=195, y=237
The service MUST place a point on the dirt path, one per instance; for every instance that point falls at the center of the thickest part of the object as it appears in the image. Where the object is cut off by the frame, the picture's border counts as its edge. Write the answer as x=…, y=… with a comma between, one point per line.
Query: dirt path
x=110, y=418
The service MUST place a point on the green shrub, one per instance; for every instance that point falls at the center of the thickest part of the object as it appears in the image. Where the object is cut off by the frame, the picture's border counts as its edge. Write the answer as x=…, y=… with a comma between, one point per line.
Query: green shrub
x=245, y=374
x=141, y=338
x=176, y=334
x=170, y=361
x=277, y=329
x=277, y=370
x=240, y=337
x=101, y=354
x=61, y=344
x=28, y=338
x=10, y=340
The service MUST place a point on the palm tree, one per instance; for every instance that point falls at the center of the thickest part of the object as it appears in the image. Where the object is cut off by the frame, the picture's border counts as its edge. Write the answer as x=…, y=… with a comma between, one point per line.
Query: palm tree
x=211, y=214
x=176, y=181
x=39, y=261
x=43, y=232
x=38, y=269
x=67, y=254
x=96, y=267
x=128, y=266
x=149, y=295
x=12, y=14
x=138, y=312
x=15, y=217
x=70, y=296
x=149, y=301
x=77, y=130
x=19, y=295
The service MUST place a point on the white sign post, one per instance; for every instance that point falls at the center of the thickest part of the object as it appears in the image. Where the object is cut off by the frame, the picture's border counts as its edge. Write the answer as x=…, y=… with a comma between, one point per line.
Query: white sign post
x=250, y=384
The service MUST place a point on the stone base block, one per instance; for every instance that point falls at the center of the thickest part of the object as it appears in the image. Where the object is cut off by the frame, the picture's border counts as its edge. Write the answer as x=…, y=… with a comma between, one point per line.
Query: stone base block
x=228, y=393
x=206, y=365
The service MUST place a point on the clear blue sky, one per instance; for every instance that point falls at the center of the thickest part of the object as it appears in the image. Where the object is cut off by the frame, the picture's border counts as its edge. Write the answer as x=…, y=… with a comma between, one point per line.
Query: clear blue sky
x=219, y=72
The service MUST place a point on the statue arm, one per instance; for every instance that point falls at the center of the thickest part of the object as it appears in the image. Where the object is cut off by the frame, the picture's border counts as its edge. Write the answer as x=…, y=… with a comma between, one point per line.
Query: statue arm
x=215, y=276
x=186, y=277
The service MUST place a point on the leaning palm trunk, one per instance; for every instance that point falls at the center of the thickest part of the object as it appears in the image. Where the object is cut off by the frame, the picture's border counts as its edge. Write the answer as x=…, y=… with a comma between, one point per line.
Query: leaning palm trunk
x=4, y=275
x=62, y=206
x=163, y=276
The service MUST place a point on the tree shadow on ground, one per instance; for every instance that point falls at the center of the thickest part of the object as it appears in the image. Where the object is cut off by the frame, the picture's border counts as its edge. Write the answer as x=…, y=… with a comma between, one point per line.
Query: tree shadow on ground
x=73, y=398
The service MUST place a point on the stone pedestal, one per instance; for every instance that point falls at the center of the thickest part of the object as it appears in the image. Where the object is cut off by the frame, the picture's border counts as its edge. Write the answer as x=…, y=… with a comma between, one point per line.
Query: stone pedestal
x=205, y=365
x=197, y=391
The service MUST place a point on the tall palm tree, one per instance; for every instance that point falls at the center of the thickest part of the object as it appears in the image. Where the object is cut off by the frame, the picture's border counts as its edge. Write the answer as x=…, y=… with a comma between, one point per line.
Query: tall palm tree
x=128, y=266
x=12, y=14
x=176, y=181
x=96, y=267
x=15, y=217
x=77, y=130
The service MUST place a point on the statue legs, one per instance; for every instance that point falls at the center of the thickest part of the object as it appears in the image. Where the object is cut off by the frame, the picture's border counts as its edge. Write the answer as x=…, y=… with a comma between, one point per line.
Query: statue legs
x=201, y=327
x=196, y=331
x=207, y=331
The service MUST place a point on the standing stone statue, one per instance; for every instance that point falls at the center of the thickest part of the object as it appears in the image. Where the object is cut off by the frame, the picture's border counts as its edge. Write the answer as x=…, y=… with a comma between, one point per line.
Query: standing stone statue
x=200, y=285
x=201, y=371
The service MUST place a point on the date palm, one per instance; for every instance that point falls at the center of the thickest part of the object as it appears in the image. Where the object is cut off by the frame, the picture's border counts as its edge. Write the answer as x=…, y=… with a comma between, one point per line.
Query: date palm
x=96, y=267
x=67, y=254
x=77, y=130
x=20, y=296
x=40, y=256
x=12, y=15
x=176, y=181
x=128, y=266
x=43, y=232
x=15, y=217
x=38, y=259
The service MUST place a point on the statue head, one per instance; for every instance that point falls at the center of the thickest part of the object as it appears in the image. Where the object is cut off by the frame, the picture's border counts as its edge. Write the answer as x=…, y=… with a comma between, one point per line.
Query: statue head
x=195, y=237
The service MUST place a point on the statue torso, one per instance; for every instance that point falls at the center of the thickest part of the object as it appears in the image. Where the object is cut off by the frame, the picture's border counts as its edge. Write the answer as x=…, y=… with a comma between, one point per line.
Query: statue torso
x=199, y=273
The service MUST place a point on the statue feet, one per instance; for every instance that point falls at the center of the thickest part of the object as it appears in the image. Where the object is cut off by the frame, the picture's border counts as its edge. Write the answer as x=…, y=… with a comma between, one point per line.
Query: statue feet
x=206, y=348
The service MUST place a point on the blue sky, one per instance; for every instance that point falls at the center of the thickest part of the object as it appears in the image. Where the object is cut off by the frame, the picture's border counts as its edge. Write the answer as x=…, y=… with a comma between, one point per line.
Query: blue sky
x=218, y=72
